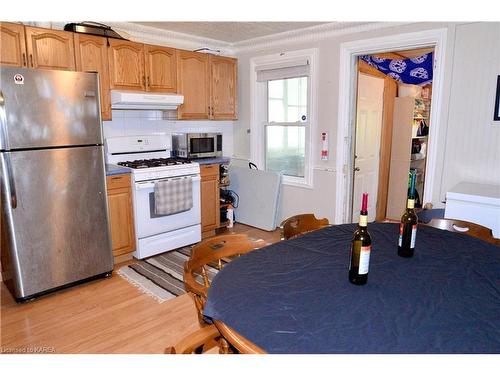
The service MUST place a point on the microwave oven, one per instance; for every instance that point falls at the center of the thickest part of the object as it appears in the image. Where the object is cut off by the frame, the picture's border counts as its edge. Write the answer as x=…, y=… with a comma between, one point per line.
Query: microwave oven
x=197, y=145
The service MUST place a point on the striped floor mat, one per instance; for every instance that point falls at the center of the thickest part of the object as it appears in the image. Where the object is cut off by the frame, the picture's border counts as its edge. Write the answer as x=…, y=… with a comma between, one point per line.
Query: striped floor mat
x=161, y=276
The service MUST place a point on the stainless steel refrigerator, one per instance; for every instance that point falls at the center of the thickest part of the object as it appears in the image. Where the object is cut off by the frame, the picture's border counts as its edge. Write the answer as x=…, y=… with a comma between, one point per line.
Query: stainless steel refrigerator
x=53, y=192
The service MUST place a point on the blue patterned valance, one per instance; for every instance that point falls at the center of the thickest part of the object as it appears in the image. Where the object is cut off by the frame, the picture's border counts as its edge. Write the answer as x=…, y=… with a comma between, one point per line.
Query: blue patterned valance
x=414, y=71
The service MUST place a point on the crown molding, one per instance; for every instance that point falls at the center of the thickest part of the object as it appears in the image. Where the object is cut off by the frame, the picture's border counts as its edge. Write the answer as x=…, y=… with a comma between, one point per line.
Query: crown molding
x=311, y=34
x=152, y=35
x=148, y=34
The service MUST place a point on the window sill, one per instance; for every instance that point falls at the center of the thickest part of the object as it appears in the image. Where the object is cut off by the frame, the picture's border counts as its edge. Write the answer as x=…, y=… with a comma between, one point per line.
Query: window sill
x=297, y=182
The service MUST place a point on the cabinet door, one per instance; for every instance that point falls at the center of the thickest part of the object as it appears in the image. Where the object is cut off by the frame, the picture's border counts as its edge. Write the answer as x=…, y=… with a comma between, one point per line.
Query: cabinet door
x=12, y=45
x=210, y=215
x=92, y=56
x=121, y=220
x=223, y=91
x=50, y=49
x=192, y=82
x=161, y=68
x=126, y=65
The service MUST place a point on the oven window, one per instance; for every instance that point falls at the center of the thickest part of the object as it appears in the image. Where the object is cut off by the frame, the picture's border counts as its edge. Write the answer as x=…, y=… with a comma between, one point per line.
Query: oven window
x=202, y=145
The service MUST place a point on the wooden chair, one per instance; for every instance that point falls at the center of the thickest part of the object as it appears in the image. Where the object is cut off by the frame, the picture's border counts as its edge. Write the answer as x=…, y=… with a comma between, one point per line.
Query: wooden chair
x=201, y=341
x=459, y=226
x=213, y=253
x=299, y=224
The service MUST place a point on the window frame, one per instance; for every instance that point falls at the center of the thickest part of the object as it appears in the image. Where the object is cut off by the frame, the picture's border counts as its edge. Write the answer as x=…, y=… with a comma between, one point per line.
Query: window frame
x=305, y=124
x=259, y=113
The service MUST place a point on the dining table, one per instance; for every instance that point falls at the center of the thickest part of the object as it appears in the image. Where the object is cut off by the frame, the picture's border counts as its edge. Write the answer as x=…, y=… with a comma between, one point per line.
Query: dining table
x=294, y=296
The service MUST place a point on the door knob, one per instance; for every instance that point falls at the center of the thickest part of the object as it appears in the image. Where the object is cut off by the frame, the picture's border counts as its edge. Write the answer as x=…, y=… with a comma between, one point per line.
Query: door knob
x=356, y=169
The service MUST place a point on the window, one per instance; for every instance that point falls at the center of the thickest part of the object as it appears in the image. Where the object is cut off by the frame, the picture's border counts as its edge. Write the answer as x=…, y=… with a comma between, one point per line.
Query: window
x=282, y=116
x=286, y=126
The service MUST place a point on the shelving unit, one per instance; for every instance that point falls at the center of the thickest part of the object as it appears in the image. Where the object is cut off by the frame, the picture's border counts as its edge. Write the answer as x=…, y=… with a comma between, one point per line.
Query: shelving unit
x=408, y=112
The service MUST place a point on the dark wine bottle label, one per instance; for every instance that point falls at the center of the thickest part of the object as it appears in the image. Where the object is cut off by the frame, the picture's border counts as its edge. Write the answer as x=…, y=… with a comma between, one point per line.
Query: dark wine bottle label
x=364, y=259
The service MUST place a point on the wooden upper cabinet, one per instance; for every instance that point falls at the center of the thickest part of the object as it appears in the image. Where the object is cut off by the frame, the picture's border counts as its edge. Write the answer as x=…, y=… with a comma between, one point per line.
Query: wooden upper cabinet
x=223, y=88
x=91, y=55
x=193, y=83
x=126, y=65
x=12, y=45
x=161, y=68
x=50, y=49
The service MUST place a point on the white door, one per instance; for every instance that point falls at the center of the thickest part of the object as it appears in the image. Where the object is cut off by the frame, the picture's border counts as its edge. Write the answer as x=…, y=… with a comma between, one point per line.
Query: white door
x=370, y=101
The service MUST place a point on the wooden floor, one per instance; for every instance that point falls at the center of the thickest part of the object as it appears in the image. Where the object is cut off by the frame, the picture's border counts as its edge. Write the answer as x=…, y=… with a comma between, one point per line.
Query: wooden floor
x=104, y=316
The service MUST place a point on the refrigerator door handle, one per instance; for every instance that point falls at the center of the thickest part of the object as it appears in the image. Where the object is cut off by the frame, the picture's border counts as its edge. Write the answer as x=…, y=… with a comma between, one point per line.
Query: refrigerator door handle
x=10, y=180
x=3, y=123
x=3, y=144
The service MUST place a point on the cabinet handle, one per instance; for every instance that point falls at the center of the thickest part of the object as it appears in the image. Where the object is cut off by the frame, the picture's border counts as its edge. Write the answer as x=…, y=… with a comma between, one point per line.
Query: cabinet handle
x=31, y=60
x=148, y=82
x=24, y=59
x=116, y=178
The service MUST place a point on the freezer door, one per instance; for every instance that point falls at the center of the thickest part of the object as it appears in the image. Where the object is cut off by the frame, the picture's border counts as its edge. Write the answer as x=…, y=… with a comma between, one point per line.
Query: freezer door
x=54, y=210
x=48, y=108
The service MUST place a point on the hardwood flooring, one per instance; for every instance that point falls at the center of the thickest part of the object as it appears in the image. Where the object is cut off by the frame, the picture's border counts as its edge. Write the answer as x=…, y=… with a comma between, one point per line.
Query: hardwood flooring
x=104, y=316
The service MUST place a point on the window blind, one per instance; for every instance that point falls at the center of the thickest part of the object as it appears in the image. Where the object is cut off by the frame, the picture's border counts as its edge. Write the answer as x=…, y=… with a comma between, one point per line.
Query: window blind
x=283, y=70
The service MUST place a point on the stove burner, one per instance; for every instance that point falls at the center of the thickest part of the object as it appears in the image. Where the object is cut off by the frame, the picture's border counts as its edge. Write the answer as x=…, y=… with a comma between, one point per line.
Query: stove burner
x=151, y=163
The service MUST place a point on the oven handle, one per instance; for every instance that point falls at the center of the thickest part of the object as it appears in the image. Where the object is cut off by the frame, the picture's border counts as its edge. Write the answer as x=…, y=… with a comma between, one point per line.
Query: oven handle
x=151, y=184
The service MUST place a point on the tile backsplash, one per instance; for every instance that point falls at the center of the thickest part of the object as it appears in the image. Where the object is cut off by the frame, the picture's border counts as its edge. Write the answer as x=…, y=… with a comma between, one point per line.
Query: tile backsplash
x=136, y=122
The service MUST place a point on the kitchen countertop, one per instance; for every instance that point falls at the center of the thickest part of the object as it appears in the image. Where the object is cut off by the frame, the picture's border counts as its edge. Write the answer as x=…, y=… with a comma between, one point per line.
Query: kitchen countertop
x=112, y=169
x=221, y=160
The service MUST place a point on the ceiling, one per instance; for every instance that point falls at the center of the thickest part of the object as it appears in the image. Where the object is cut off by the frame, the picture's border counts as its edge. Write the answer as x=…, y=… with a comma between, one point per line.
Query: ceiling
x=230, y=32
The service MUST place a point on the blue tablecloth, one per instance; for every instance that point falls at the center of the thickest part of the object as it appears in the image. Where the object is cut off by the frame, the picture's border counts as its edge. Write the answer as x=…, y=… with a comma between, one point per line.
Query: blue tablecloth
x=294, y=296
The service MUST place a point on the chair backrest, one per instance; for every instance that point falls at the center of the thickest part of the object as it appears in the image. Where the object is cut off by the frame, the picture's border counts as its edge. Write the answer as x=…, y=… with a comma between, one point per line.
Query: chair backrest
x=300, y=224
x=459, y=226
x=209, y=255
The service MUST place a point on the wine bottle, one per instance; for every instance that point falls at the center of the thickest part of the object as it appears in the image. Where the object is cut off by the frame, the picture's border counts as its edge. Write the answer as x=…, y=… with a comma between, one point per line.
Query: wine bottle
x=360, y=248
x=408, y=226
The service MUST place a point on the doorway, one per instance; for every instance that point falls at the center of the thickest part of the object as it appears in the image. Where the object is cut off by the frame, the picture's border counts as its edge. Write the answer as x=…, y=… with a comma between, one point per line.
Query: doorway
x=349, y=52
x=387, y=104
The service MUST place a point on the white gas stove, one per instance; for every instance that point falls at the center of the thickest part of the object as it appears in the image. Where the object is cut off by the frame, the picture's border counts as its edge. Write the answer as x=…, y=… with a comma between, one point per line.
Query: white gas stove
x=148, y=158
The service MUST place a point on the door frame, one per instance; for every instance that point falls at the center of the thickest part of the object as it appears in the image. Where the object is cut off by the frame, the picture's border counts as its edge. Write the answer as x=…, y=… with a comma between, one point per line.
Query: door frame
x=349, y=51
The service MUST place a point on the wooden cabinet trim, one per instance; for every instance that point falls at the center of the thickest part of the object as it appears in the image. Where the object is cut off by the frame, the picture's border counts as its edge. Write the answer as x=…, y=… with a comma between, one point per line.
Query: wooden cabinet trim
x=34, y=34
x=164, y=79
x=118, y=181
x=97, y=62
x=121, y=227
x=210, y=202
x=194, y=85
x=118, y=77
x=223, y=89
x=15, y=49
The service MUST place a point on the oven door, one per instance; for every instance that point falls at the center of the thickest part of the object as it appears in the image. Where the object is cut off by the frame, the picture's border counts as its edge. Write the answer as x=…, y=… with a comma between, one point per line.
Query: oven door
x=148, y=224
x=202, y=145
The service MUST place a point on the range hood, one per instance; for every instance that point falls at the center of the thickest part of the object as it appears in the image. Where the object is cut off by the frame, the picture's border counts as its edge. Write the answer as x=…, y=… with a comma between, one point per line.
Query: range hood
x=142, y=100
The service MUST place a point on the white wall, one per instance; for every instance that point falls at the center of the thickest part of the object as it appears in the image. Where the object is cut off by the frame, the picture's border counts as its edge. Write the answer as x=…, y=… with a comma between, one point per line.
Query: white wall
x=320, y=199
x=129, y=123
x=472, y=150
